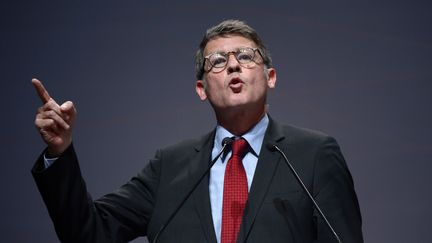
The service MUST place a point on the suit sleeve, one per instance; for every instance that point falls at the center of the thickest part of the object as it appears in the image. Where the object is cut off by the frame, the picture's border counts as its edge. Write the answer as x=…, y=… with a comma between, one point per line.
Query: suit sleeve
x=334, y=192
x=116, y=217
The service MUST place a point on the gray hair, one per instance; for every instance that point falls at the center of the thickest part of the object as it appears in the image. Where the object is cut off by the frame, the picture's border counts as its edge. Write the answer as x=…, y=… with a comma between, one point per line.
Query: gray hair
x=225, y=28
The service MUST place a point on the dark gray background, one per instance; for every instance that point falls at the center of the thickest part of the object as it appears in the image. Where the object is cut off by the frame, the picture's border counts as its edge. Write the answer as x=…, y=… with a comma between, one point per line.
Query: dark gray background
x=360, y=71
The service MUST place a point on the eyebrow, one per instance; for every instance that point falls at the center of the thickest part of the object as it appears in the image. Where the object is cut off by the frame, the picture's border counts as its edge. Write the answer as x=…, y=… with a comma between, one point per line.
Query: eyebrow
x=237, y=49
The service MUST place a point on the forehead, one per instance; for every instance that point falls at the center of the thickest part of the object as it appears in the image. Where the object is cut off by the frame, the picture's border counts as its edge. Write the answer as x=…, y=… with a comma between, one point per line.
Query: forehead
x=227, y=43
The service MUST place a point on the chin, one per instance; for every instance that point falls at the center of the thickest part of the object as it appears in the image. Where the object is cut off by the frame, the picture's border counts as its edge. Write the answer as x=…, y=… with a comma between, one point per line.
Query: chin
x=237, y=102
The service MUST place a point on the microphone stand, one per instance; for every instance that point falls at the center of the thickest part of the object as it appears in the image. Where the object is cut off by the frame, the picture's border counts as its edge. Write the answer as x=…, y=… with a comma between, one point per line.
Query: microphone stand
x=275, y=147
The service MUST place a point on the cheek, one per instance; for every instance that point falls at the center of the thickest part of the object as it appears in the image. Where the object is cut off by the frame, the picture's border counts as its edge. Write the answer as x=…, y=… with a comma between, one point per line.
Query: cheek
x=215, y=82
x=258, y=89
x=259, y=84
x=212, y=88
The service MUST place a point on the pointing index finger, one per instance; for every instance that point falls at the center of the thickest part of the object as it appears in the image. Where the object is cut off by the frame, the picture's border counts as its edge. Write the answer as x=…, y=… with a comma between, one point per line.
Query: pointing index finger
x=40, y=89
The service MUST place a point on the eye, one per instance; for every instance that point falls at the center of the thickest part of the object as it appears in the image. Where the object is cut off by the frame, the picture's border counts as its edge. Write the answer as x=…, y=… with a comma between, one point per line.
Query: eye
x=217, y=60
x=245, y=55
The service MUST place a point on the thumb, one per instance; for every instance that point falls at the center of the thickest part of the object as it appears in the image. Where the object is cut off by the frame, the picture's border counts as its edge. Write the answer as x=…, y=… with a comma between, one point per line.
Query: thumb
x=67, y=106
x=68, y=110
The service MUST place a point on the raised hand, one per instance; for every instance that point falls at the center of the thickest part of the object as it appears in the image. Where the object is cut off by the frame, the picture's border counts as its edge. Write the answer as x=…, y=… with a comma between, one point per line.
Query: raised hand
x=54, y=122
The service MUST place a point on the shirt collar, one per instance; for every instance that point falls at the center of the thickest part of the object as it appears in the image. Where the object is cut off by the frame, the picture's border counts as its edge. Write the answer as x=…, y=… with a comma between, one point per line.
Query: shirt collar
x=254, y=136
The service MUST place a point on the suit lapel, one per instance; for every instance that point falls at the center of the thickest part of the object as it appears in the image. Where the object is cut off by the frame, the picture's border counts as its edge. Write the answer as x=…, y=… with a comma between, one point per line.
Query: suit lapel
x=197, y=168
x=266, y=167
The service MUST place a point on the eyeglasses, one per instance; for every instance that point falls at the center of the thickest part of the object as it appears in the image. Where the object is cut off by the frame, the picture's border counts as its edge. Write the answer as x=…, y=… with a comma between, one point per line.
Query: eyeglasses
x=219, y=60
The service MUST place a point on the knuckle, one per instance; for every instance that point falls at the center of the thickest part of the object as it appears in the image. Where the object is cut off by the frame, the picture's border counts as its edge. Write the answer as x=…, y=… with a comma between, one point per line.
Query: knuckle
x=37, y=124
x=51, y=104
x=50, y=113
x=50, y=123
x=48, y=105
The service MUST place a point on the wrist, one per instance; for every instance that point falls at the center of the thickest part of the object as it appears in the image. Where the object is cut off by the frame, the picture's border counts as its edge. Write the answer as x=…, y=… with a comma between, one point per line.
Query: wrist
x=52, y=153
x=55, y=152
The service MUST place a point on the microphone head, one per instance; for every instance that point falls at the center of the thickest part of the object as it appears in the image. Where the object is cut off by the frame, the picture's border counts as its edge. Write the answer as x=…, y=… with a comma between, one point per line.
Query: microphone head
x=227, y=141
x=271, y=146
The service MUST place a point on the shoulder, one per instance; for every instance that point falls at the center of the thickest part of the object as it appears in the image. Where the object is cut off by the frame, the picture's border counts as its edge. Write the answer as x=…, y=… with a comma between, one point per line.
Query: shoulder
x=300, y=136
x=188, y=146
x=303, y=133
x=306, y=135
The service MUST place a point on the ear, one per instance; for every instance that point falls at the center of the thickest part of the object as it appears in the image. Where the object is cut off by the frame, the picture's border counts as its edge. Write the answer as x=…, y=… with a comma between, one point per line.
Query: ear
x=271, y=80
x=200, y=89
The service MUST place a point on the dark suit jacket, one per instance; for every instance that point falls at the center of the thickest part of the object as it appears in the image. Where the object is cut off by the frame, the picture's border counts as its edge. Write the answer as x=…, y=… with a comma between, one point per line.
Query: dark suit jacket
x=277, y=210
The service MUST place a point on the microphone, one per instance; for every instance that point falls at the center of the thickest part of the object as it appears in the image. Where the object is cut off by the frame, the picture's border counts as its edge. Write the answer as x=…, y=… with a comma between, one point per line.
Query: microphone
x=273, y=148
x=226, y=143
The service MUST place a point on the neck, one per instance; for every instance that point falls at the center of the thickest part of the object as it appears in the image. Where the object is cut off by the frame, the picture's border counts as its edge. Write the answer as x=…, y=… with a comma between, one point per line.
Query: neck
x=238, y=122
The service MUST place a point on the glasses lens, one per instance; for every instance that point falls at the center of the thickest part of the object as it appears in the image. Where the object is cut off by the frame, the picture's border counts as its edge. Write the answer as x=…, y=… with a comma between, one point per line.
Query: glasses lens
x=217, y=60
x=245, y=55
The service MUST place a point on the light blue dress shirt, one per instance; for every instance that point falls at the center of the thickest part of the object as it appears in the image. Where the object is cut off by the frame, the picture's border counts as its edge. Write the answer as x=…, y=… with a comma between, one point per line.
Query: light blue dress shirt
x=255, y=138
x=49, y=161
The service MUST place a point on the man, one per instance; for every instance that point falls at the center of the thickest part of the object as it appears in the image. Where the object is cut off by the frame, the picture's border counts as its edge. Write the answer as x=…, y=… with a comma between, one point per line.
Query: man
x=250, y=194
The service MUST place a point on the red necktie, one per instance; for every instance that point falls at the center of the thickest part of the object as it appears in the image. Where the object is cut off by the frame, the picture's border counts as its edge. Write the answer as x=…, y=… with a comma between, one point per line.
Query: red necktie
x=235, y=192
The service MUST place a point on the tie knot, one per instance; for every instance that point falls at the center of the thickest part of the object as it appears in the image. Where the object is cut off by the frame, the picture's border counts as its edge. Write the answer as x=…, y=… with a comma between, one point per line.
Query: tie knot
x=239, y=147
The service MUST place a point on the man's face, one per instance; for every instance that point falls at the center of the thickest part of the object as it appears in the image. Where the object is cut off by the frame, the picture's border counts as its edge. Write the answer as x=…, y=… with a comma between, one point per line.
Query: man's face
x=236, y=86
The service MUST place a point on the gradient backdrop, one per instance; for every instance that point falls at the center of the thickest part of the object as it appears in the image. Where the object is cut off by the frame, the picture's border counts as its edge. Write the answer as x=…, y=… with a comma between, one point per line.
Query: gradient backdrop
x=360, y=71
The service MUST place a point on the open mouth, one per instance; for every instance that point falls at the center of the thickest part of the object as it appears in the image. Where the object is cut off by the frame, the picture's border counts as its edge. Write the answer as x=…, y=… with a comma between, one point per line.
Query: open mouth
x=235, y=81
x=236, y=84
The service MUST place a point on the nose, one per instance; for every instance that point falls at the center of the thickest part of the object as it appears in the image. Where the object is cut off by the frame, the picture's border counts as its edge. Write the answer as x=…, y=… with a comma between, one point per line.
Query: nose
x=233, y=65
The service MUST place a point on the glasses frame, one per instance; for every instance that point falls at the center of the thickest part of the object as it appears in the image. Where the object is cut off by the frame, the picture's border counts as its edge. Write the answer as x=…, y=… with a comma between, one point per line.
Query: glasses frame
x=227, y=54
